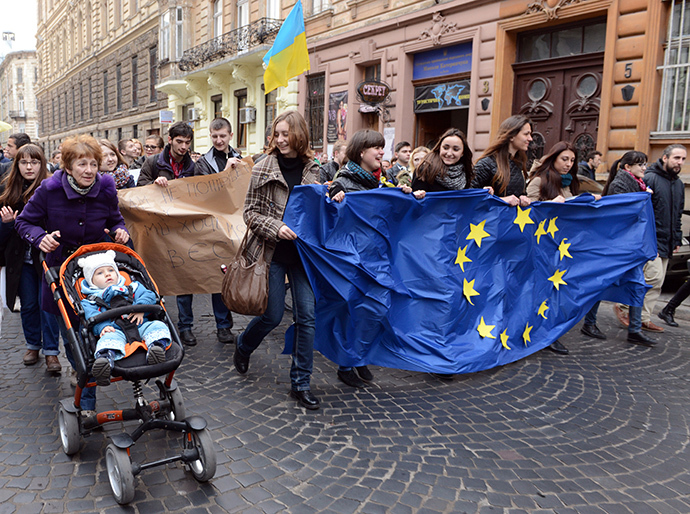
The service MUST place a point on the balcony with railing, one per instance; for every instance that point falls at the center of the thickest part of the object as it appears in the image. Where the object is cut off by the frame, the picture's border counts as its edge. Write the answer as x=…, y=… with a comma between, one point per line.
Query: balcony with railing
x=238, y=41
x=18, y=115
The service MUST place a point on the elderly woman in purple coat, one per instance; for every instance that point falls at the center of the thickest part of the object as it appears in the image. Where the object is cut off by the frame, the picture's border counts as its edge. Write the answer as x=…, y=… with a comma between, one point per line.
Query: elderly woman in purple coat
x=76, y=206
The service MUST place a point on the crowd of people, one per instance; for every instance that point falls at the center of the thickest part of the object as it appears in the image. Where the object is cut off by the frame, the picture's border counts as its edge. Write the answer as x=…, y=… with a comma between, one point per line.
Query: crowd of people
x=57, y=206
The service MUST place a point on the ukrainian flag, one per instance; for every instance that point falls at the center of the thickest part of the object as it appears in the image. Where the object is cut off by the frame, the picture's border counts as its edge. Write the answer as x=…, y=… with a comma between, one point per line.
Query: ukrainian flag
x=288, y=57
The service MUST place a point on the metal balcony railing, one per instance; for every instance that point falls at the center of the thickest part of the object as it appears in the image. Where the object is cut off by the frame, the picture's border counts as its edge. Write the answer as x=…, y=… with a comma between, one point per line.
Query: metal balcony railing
x=18, y=114
x=232, y=43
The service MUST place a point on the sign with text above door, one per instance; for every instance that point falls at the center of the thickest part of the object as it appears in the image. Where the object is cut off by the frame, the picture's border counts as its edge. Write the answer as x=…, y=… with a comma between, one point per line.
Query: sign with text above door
x=442, y=61
x=442, y=97
x=373, y=92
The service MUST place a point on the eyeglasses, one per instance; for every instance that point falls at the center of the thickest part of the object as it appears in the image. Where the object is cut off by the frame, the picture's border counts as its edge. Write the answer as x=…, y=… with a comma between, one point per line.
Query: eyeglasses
x=151, y=147
x=32, y=163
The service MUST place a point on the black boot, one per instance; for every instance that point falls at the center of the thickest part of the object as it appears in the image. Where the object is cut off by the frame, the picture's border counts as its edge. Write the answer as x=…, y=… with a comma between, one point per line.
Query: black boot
x=557, y=347
x=667, y=314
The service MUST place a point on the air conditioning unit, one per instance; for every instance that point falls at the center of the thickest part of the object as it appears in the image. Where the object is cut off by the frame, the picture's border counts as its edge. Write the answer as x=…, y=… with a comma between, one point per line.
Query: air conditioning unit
x=247, y=115
x=193, y=114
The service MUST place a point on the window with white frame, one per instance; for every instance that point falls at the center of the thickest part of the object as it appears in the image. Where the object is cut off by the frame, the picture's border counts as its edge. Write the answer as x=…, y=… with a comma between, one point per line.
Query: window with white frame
x=242, y=13
x=273, y=9
x=179, y=33
x=318, y=5
x=165, y=35
x=674, y=108
x=217, y=18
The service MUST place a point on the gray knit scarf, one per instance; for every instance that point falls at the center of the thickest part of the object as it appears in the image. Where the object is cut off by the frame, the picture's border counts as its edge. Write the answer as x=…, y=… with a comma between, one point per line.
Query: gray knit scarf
x=454, y=178
x=81, y=190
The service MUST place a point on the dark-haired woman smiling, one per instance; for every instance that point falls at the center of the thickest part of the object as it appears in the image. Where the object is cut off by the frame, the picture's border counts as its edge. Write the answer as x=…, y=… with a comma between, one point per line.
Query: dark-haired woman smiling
x=448, y=167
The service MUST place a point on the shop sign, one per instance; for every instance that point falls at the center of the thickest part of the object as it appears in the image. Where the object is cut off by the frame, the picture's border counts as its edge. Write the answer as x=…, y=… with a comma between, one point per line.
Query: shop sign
x=442, y=61
x=373, y=92
x=442, y=97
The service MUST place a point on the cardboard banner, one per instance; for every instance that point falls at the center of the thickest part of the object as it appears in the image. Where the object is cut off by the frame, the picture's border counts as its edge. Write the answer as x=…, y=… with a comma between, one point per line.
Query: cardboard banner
x=185, y=231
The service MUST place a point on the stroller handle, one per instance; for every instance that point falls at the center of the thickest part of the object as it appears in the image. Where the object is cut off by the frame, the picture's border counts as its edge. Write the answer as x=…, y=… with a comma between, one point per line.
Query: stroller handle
x=120, y=311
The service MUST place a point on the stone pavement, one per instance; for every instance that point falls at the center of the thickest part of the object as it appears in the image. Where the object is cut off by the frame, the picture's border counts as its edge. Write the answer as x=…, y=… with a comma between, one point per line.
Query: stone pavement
x=605, y=429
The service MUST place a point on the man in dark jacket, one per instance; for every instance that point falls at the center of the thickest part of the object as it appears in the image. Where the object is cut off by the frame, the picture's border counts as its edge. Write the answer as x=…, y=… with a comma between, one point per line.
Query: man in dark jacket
x=14, y=143
x=327, y=171
x=668, y=199
x=588, y=167
x=403, y=150
x=221, y=155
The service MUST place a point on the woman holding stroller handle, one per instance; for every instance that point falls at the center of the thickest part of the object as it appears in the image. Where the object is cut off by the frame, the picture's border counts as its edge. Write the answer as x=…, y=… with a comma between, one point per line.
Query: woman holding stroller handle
x=289, y=162
x=503, y=166
x=75, y=206
x=23, y=269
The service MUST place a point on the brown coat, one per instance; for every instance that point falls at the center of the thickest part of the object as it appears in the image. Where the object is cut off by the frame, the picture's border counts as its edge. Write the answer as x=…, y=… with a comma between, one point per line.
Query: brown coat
x=265, y=204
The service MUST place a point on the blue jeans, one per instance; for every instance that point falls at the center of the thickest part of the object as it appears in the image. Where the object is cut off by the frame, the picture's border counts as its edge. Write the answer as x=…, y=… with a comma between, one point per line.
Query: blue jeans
x=185, y=314
x=635, y=317
x=302, y=312
x=88, y=395
x=40, y=328
x=591, y=316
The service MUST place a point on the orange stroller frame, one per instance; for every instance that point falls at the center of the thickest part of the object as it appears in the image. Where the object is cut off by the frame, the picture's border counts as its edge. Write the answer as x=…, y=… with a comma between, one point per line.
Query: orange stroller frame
x=167, y=412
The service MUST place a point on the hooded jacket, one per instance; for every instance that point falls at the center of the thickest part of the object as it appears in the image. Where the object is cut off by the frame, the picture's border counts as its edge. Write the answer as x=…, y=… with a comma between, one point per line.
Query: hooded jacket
x=668, y=200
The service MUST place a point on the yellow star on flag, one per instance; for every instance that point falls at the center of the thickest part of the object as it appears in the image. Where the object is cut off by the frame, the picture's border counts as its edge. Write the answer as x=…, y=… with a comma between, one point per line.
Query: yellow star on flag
x=504, y=339
x=485, y=330
x=552, y=227
x=461, y=259
x=478, y=233
x=540, y=231
x=542, y=309
x=468, y=290
x=557, y=279
x=563, y=248
x=523, y=218
x=525, y=334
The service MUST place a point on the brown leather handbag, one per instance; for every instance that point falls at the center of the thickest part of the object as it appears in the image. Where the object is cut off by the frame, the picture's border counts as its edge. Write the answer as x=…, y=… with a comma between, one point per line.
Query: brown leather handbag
x=245, y=286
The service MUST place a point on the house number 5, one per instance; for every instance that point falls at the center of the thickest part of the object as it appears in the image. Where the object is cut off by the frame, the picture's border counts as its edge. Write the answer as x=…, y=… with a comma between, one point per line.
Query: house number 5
x=628, y=70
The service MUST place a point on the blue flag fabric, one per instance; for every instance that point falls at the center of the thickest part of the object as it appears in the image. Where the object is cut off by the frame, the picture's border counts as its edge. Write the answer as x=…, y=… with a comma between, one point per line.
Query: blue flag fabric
x=460, y=281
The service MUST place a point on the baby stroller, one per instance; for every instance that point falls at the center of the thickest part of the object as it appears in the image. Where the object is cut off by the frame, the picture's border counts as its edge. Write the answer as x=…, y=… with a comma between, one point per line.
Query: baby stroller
x=166, y=412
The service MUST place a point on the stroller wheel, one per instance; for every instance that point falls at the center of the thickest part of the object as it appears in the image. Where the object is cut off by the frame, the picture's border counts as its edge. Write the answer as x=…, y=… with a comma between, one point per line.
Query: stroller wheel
x=120, y=474
x=204, y=468
x=69, y=431
x=177, y=405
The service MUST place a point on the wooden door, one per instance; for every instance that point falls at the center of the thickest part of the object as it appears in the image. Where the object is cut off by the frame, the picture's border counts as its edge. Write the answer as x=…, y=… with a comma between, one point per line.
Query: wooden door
x=562, y=98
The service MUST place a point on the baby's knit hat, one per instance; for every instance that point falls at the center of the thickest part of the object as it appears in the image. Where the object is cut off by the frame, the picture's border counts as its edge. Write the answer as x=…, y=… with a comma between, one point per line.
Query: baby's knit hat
x=91, y=263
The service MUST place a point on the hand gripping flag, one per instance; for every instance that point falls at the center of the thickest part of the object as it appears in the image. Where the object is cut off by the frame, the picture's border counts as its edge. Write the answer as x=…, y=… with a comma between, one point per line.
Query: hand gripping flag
x=288, y=57
x=461, y=281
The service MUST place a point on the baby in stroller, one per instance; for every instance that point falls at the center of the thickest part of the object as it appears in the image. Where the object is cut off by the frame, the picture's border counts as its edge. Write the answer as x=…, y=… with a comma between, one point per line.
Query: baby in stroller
x=104, y=288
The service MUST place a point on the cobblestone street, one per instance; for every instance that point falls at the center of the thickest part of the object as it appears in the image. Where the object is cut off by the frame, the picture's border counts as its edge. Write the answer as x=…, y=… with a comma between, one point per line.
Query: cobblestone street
x=605, y=429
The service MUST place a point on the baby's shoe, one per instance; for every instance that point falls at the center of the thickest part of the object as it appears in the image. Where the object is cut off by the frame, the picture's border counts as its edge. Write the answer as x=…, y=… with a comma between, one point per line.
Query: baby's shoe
x=102, y=367
x=156, y=353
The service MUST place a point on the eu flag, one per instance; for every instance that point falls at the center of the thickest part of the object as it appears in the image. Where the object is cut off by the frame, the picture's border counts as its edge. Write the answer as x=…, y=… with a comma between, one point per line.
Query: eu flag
x=460, y=281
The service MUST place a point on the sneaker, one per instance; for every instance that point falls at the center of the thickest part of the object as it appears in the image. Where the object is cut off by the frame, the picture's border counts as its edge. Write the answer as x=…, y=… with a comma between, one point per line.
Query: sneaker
x=622, y=316
x=651, y=327
x=101, y=369
x=155, y=354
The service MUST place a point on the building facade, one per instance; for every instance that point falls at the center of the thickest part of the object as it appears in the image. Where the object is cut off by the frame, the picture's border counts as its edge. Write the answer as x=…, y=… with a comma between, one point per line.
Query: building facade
x=18, y=83
x=98, y=69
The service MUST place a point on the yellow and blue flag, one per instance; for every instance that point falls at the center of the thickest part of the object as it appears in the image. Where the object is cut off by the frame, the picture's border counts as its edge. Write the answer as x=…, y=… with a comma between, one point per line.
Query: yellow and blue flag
x=460, y=281
x=288, y=57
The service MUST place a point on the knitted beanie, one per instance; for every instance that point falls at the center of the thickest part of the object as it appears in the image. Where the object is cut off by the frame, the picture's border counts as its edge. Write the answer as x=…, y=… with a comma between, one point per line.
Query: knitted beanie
x=91, y=263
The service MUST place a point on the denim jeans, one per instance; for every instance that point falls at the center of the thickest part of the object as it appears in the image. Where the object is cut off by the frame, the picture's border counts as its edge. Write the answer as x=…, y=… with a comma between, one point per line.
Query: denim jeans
x=303, y=315
x=88, y=395
x=185, y=314
x=635, y=317
x=591, y=316
x=40, y=328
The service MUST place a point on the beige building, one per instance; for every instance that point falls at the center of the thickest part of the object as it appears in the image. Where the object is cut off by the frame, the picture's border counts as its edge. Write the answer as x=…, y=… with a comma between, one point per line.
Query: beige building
x=18, y=83
x=98, y=69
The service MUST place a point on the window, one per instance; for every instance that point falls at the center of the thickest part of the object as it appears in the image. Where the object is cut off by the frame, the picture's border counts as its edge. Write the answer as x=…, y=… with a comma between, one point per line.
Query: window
x=35, y=74
x=20, y=75
x=90, y=101
x=217, y=101
x=241, y=128
x=135, y=81
x=74, y=107
x=562, y=42
x=135, y=131
x=273, y=9
x=119, y=134
x=153, y=75
x=271, y=100
x=315, y=109
x=179, y=33
x=674, y=108
x=242, y=13
x=217, y=18
x=165, y=35
x=118, y=87
x=105, y=92
x=20, y=100
x=372, y=72
x=83, y=103
x=319, y=5
x=54, y=115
